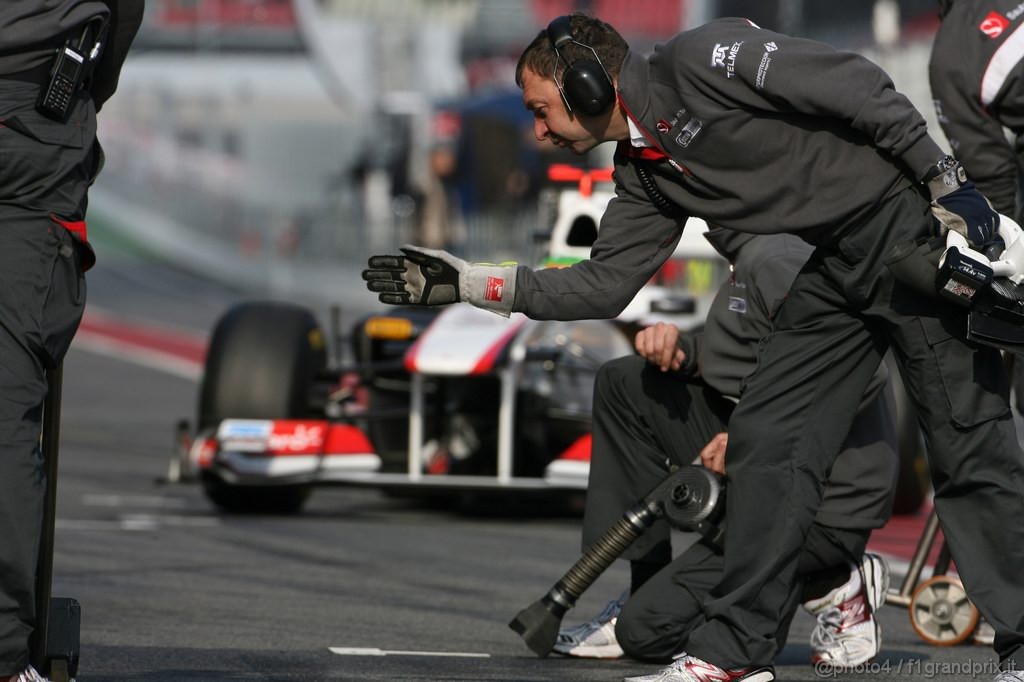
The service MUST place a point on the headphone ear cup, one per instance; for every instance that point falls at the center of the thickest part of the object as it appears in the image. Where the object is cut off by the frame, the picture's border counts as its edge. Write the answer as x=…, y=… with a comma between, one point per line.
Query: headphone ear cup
x=587, y=88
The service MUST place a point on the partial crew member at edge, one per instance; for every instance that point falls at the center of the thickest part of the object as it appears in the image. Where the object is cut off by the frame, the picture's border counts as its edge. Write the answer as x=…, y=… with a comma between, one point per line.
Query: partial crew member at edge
x=48, y=159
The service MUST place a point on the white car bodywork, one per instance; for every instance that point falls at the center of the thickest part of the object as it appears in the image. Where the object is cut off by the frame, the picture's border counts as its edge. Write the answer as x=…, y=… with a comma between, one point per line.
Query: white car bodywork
x=578, y=218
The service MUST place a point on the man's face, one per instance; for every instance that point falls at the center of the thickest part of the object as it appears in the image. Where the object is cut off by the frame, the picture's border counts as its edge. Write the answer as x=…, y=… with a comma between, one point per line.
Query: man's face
x=552, y=121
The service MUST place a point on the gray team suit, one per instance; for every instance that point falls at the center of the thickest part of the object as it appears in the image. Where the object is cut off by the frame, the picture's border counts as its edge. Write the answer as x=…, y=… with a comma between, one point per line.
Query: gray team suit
x=645, y=419
x=975, y=73
x=46, y=168
x=769, y=133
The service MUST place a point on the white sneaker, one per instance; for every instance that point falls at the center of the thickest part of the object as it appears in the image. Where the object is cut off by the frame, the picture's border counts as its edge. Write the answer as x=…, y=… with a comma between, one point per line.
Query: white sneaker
x=1010, y=676
x=847, y=633
x=692, y=669
x=984, y=634
x=596, y=637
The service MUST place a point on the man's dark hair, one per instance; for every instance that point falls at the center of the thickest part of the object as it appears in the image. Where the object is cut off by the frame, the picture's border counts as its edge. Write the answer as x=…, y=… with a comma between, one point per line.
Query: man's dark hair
x=539, y=56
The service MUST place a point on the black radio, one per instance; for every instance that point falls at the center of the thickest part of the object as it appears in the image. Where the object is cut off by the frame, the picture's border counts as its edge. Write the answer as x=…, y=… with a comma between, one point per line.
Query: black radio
x=65, y=77
x=71, y=66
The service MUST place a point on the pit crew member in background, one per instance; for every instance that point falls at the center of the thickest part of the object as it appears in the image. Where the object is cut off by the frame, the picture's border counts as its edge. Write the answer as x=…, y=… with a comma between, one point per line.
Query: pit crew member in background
x=759, y=132
x=46, y=166
x=674, y=399
x=975, y=73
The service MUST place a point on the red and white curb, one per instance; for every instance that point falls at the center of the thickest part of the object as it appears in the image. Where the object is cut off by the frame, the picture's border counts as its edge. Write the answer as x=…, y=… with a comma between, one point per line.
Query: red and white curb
x=164, y=349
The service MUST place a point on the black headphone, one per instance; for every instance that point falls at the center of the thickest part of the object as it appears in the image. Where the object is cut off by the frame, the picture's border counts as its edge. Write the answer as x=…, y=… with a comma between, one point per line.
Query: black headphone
x=586, y=86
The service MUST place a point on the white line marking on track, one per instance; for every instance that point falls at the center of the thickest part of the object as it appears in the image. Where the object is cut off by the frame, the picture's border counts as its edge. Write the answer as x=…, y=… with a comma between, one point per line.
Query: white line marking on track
x=139, y=522
x=371, y=651
x=176, y=521
x=88, y=524
x=93, y=500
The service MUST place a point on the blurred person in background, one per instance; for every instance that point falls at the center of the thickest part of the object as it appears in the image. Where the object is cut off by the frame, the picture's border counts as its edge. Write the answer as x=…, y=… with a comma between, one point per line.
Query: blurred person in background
x=672, y=400
x=440, y=220
x=48, y=159
x=760, y=132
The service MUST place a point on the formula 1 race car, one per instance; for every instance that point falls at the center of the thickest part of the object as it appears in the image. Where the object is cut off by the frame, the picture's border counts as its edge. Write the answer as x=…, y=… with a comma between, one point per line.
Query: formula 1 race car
x=440, y=400
x=432, y=399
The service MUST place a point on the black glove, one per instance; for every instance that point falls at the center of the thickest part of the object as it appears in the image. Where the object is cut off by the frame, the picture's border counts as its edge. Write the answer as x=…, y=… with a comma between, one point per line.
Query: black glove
x=958, y=205
x=432, y=277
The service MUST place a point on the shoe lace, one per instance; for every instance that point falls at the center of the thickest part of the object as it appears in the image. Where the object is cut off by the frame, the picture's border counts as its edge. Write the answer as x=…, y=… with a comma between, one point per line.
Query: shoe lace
x=581, y=631
x=673, y=670
x=682, y=666
x=829, y=622
x=610, y=610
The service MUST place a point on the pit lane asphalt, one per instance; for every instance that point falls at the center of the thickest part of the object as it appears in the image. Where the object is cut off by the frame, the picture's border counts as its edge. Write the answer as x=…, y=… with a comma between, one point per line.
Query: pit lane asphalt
x=171, y=590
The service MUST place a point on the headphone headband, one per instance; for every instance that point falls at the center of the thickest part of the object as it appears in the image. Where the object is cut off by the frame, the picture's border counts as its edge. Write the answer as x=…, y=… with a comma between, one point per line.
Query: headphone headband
x=560, y=32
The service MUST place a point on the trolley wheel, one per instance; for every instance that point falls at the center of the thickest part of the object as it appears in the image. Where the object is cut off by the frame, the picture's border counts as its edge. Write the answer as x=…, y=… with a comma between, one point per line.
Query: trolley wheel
x=941, y=613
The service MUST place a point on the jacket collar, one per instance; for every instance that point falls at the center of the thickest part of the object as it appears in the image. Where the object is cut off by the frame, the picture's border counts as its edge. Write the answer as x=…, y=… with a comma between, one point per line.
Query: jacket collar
x=632, y=84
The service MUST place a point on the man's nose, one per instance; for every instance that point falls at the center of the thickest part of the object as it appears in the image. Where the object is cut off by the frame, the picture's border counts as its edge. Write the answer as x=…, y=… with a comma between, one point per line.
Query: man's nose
x=540, y=129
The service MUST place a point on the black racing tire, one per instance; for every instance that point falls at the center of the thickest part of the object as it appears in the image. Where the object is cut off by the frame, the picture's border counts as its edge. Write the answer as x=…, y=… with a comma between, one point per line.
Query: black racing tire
x=262, y=362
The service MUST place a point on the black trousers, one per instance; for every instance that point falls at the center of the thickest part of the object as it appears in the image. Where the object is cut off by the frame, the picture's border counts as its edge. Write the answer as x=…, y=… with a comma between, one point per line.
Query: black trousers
x=842, y=313
x=656, y=621
x=45, y=169
x=644, y=422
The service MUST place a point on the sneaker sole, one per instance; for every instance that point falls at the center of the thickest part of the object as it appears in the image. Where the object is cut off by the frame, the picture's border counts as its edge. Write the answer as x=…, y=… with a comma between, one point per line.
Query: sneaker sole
x=878, y=587
x=605, y=651
x=760, y=676
x=876, y=581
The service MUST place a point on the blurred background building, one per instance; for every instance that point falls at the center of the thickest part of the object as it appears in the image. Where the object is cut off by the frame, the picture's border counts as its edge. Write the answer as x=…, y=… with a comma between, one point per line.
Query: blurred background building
x=273, y=140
